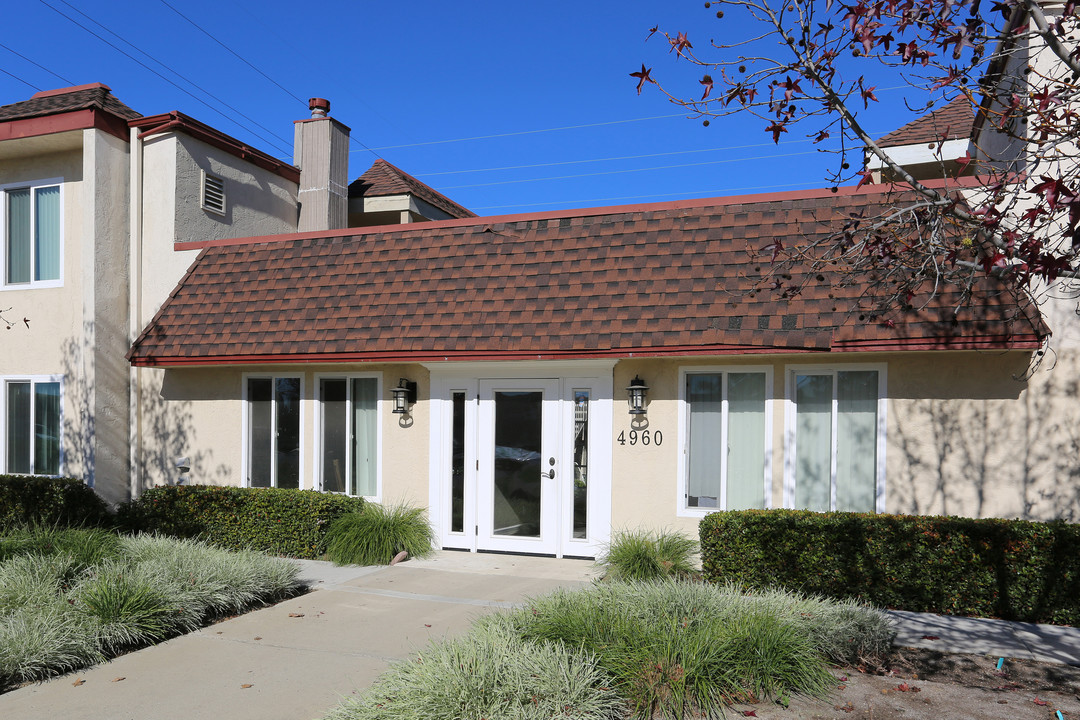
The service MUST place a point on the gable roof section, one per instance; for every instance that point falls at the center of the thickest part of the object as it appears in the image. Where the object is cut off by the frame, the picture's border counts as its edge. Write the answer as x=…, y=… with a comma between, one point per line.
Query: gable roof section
x=954, y=121
x=81, y=97
x=73, y=108
x=383, y=179
x=667, y=279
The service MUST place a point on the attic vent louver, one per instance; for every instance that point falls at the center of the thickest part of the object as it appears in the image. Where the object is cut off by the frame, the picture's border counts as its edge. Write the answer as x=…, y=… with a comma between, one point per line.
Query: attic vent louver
x=213, y=193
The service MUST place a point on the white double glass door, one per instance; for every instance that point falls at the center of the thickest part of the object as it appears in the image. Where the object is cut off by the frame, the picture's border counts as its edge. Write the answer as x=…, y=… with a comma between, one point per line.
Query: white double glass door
x=519, y=465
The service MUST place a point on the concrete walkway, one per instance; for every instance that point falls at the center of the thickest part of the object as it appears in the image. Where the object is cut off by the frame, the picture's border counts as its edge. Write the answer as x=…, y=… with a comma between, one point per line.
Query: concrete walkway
x=297, y=659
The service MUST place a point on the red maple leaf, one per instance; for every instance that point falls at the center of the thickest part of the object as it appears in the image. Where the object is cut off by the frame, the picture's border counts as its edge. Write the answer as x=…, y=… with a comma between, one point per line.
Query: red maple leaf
x=707, y=82
x=776, y=128
x=679, y=44
x=867, y=176
x=643, y=77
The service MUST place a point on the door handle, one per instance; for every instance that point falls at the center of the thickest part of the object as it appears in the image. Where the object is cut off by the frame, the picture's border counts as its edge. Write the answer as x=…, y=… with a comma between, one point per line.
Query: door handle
x=550, y=474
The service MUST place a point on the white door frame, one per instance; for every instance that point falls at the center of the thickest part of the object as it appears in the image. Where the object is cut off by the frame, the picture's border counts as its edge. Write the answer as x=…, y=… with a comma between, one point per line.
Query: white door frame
x=447, y=378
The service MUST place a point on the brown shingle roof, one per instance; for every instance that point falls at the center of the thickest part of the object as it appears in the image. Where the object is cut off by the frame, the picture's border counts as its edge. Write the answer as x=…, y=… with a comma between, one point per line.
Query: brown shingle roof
x=666, y=279
x=82, y=97
x=953, y=121
x=383, y=179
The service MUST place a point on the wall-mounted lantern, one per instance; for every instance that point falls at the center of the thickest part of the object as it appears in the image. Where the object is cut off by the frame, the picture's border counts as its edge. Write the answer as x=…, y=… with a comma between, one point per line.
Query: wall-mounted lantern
x=404, y=396
x=635, y=394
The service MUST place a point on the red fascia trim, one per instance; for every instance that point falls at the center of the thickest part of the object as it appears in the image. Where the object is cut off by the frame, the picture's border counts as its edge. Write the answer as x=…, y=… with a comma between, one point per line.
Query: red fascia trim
x=64, y=122
x=176, y=120
x=65, y=91
x=997, y=343
x=694, y=204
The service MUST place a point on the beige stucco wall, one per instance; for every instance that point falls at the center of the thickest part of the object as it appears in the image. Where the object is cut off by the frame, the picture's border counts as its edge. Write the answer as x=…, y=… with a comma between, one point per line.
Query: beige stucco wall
x=79, y=330
x=198, y=413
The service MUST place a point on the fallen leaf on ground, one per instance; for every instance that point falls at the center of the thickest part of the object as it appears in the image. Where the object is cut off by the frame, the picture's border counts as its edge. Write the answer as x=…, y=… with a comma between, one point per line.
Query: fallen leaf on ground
x=904, y=687
x=930, y=637
x=846, y=707
x=296, y=614
x=258, y=638
x=78, y=682
x=749, y=713
x=427, y=625
x=118, y=679
x=1037, y=701
x=246, y=686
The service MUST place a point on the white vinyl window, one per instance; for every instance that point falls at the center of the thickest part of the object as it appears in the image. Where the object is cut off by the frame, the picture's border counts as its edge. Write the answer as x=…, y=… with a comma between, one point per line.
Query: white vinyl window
x=726, y=440
x=32, y=425
x=348, y=433
x=272, y=419
x=835, y=434
x=33, y=234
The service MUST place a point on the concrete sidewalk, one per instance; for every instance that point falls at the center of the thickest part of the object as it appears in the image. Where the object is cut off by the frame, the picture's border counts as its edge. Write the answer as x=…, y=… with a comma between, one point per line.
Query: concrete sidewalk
x=297, y=659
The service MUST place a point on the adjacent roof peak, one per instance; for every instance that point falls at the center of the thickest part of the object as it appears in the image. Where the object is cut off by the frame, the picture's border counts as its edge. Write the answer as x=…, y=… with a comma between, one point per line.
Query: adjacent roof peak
x=61, y=100
x=383, y=179
x=951, y=122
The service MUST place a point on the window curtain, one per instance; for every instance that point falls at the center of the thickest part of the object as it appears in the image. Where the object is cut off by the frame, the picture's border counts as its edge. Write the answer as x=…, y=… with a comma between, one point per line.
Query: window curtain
x=746, y=441
x=47, y=428
x=813, y=442
x=856, y=440
x=364, y=436
x=47, y=233
x=18, y=427
x=704, y=395
x=18, y=237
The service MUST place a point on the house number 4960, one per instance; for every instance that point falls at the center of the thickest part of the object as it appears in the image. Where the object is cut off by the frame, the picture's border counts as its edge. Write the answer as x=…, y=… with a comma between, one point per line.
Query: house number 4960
x=645, y=437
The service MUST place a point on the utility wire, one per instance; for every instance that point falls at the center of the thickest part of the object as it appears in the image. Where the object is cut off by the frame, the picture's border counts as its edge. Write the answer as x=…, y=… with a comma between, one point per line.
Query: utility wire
x=155, y=72
x=703, y=193
x=24, y=82
x=619, y=172
x=15, y=52
x=527, y=132
x=244, y=60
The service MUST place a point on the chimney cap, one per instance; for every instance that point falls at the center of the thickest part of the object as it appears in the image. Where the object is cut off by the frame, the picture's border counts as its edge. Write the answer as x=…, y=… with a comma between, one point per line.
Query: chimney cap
x=320, y=107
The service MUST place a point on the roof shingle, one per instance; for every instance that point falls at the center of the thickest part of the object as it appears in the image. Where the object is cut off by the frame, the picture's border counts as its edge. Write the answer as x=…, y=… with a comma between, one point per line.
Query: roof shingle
x=82, y=97
x=952, y=122
x=667, y=279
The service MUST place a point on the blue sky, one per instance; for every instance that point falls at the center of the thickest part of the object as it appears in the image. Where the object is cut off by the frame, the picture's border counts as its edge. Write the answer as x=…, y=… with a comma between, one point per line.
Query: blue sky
x=417, y=81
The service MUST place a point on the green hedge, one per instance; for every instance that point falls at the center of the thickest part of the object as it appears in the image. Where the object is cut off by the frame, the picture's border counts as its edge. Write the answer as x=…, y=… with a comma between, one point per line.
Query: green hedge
x=1010, y=569
x=277, y=521
x=33, y=499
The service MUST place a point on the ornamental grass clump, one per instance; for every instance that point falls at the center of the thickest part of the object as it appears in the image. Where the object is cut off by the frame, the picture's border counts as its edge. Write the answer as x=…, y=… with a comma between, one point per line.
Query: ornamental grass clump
x=489, y=673
x=375, y=534
x=72, y=598
x=675, y=648
x=641, y=555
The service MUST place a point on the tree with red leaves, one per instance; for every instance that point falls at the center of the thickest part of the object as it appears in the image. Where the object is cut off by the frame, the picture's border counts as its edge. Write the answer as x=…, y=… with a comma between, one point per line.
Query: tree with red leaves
x=808, y=71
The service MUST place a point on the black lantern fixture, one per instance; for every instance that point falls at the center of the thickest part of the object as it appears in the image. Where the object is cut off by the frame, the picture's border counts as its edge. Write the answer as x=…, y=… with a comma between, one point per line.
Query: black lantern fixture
x=404, y=396
x=635, y=394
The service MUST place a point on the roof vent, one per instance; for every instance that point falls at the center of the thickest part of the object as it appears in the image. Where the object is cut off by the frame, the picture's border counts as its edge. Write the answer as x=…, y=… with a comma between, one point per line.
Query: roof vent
x=320, y=107
x=213, y=193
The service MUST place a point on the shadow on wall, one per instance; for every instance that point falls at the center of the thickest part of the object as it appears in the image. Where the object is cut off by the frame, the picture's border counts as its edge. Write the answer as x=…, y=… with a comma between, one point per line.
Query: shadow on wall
x=983, y=441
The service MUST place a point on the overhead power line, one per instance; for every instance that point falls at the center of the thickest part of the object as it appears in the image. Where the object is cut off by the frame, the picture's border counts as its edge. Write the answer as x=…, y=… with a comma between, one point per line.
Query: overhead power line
x=55, y=75
x=166, y=79
x=24, y=82
x=619, y=172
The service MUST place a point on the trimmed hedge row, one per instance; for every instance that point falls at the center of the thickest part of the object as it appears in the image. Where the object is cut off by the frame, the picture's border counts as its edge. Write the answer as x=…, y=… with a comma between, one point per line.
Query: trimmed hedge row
x=1011, y=569
x=277, y=521
x=38, y=500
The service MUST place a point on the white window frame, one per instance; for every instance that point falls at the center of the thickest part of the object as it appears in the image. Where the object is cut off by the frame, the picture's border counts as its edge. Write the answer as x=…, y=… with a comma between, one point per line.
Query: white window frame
x=5, y=380
x=683, y=509
x=380, y=409
x=245, y=427
x=790, y=408
x=32, y=186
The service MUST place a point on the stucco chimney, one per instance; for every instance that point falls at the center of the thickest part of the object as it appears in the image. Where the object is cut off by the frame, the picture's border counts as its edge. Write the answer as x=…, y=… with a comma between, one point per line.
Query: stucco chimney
x=321, y=151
